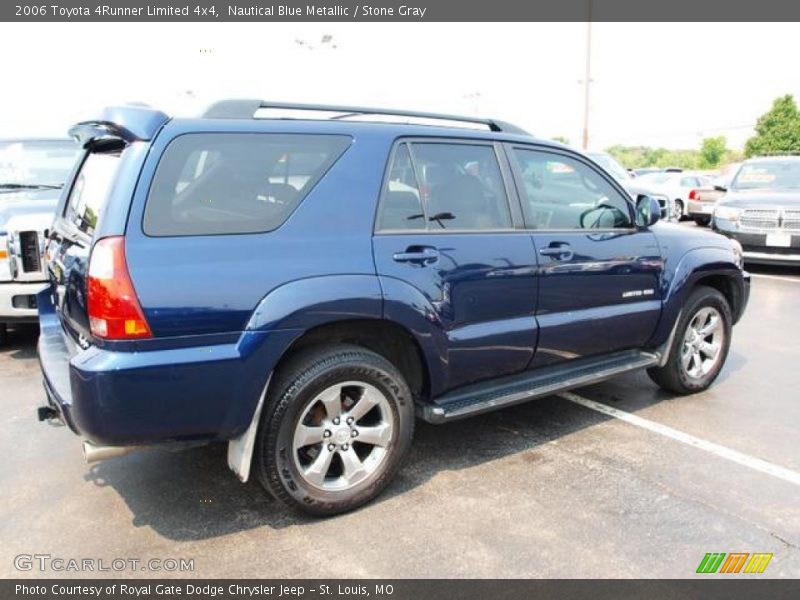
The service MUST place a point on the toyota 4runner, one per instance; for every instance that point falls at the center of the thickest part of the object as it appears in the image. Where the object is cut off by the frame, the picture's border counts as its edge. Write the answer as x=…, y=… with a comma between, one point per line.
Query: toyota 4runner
x=301, y=281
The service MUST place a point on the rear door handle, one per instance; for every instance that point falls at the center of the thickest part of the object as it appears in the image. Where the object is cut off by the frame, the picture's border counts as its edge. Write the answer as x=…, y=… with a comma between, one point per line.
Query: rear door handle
x=417, y=255
x=558, y=250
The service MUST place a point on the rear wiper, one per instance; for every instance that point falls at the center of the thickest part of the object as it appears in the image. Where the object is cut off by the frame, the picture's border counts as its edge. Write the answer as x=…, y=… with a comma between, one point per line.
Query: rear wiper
x=29, y=186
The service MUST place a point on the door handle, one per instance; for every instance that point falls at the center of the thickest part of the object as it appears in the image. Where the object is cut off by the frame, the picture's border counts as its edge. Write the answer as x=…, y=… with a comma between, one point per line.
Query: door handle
x=417, y=255
x=558, y=251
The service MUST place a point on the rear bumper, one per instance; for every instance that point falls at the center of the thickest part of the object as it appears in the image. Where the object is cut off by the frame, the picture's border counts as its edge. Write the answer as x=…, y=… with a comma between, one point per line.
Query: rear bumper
x=700, y=209
x=127, y=398
x=15, y=301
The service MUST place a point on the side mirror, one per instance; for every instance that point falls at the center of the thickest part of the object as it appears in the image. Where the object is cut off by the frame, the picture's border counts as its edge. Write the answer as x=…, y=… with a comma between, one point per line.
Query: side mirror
x=648, y=210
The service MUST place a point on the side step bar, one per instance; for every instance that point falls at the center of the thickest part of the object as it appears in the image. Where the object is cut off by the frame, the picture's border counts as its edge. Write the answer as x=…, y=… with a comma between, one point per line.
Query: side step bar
x=491, y=395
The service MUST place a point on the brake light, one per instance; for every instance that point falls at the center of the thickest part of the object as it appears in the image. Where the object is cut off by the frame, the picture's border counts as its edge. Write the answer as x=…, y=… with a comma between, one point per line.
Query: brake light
x=693, y=195
x=114, y=311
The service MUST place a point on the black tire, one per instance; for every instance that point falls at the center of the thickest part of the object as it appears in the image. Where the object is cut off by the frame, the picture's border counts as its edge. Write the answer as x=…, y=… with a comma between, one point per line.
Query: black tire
x=3, y=334
x=294, y=392
x=702, y=221
x=673, y=376
x=680, y=210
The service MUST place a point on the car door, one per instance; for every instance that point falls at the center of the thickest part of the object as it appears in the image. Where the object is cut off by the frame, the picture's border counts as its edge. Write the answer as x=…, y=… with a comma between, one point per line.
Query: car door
x=449, y=247
x=599, y=273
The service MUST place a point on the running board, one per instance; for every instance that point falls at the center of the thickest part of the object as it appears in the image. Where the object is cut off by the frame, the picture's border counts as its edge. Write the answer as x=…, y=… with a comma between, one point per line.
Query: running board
x=486, y=396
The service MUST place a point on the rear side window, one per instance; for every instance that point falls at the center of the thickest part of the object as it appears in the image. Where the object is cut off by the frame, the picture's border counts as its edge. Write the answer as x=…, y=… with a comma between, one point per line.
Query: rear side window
x=218, y=183
x=459, y=185
x=91, y=189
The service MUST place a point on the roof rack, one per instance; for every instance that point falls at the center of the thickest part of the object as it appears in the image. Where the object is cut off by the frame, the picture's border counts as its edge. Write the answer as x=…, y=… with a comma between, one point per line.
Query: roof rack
x=246, y=109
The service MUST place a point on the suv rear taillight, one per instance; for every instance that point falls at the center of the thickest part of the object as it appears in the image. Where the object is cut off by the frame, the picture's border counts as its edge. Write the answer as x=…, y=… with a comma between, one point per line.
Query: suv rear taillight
x=114, y=311
x=693, y=195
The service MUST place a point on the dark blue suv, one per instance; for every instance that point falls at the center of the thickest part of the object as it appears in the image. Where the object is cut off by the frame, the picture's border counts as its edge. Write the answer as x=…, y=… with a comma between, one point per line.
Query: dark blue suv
x=302, y=281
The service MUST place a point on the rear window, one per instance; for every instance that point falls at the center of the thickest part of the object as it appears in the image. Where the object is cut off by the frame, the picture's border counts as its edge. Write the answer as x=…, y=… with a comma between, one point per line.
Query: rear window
x=91, y=189
x=218, y=183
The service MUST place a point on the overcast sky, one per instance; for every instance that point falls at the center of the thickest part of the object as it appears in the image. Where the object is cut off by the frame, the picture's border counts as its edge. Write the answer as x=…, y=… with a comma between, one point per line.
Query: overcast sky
x=657, y=84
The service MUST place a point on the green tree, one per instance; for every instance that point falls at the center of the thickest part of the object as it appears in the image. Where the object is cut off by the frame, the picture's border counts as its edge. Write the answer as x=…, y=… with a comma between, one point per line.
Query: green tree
x=712, y=152
x=563, y=139
x=778, y=130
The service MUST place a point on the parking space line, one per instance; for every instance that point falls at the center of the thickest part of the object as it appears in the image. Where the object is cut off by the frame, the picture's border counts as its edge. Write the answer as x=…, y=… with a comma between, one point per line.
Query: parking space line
x=778, y=277
x=723, y=452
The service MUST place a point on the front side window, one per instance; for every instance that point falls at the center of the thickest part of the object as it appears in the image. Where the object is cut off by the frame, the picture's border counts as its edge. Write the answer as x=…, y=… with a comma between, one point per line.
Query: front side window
x=91, y=190
x=218, y=183
x=560, y=192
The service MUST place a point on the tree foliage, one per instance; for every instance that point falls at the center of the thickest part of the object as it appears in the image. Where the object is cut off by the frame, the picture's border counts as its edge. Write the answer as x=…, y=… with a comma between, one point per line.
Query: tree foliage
x=777, y=130
x=711, y=154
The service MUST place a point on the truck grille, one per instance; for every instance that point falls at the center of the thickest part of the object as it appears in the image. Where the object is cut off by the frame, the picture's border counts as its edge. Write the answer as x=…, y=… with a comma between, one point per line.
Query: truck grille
x=29, y=251
x=791, y=220
x=760, y=219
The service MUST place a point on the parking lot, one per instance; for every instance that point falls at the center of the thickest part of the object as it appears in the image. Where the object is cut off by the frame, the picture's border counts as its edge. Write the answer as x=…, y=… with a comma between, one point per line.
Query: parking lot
x=559, y=487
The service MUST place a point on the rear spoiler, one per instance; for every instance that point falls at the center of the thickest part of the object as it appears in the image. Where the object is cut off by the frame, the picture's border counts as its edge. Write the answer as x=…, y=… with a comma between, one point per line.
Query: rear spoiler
x=129, y=123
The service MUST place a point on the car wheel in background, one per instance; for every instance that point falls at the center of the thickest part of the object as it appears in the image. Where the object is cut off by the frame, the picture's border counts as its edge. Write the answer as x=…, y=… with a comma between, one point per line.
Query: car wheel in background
x=701, y=344
x=702, y=221
x=679, y=210
x=3, y=334
x=337, y=424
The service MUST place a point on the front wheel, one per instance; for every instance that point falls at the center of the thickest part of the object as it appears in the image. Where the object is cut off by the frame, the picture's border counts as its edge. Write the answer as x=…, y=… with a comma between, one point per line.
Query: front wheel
x=701, y=344
x=338, y=422
x=702, y=221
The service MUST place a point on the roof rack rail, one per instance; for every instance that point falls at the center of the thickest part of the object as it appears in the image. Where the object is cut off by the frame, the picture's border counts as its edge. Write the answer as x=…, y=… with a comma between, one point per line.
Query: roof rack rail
x=246, y=109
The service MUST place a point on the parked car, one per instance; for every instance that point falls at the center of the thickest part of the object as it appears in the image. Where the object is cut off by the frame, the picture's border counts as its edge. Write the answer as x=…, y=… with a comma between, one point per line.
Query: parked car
x=301, y=288
x=702, y=201
x=645, y=171
x=761, y=210
x=678, y=186
x=633, y=185
x=32, y=172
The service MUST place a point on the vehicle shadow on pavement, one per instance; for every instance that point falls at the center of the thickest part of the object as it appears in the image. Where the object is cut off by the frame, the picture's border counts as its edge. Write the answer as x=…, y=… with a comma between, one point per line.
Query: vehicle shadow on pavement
x=191, y=495
x=21, y=343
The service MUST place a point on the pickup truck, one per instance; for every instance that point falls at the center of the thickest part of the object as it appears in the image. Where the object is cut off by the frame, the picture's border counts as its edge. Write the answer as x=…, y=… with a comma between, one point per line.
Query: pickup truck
x=302, y=282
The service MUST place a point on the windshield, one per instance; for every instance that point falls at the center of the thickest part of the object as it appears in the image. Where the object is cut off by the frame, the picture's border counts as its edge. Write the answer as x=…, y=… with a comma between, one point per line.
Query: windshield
x=773, y=175
x=657, y=178
x=36, y=163
x=610, y=164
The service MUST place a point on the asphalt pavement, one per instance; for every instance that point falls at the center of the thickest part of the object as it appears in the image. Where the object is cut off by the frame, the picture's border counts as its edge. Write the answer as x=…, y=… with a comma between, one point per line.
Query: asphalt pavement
x=620, y=479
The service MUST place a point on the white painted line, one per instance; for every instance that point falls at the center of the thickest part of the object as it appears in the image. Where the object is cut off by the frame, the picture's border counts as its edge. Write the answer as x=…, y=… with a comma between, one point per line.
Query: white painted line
x=777, y=277
x=723, y=452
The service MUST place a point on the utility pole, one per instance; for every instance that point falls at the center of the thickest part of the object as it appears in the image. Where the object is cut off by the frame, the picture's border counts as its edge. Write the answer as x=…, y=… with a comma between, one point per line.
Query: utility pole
x=587, y=80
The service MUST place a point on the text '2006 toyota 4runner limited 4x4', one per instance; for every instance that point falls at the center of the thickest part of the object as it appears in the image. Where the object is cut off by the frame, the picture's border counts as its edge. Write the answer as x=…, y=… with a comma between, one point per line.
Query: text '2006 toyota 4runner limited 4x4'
x=301, y=288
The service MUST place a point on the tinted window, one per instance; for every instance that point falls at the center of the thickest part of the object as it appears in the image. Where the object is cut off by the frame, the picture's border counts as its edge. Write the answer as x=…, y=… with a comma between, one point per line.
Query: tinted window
x=215, y=183
x=89, y=193
x=461, y=186
x=401, y=208
x=560, y=192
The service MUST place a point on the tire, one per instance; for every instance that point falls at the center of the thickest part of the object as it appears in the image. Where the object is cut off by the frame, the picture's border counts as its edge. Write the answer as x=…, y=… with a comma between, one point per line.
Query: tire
x=702, y=221
x=339, y=472
x=703, y=305
x=3, y=334
x=680, y=210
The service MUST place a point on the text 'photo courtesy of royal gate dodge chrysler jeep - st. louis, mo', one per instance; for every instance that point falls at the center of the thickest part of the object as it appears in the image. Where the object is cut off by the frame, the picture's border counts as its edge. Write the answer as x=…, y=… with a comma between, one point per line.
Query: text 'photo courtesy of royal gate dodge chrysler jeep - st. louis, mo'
x=304, y=288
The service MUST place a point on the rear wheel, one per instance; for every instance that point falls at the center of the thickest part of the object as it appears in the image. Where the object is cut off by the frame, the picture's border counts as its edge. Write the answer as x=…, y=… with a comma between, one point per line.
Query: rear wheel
x=679, y=210
x=339, y=421
x=701, y=344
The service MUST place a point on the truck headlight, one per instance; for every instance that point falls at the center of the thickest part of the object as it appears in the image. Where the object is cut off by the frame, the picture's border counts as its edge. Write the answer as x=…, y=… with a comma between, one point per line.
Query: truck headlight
x=727, y=213
x=5, y=259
